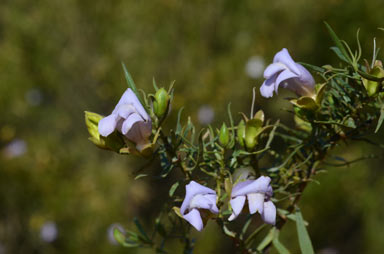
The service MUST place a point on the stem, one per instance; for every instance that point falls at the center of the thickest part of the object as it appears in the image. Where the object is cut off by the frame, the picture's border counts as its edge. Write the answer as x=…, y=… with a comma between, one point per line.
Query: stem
x=172, y=154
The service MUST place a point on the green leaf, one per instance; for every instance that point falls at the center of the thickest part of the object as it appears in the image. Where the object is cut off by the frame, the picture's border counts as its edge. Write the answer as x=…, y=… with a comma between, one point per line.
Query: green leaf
x=277, y=244
x=229, y=232
x=381, y=118
x=337, y=51
x=338, y=43
x=313, y=67
x=173, y=189
x=178, y=125
x=154, y=84
x=141, y=229
x=131, y=83
x=128, y=77
x=267, y=240
x=304, y=240
x=140, y=176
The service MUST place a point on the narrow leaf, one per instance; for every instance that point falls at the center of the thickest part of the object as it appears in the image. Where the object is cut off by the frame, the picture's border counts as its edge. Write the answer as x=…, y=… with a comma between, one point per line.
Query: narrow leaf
x=140, y=176
x=337, y=41
x=381, y=118
x=267, y=240
x=141, y=229
x=178, y=125
x=278, y=245
x=304, y=240
x=173, y=189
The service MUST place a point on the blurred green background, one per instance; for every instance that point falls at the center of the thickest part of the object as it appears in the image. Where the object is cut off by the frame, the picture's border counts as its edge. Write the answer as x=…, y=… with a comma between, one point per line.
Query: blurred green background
x=60, y=194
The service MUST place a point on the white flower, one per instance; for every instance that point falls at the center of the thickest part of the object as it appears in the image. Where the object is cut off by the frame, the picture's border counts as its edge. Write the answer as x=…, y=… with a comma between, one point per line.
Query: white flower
x=255, y=66
x=129, y=118
x=258, y=193
x=198, y=197
x=48, y=231
x=288, y=74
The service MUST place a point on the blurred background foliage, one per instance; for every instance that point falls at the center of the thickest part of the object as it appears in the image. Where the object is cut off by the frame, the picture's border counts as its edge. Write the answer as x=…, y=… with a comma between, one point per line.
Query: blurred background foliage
x=60, y=194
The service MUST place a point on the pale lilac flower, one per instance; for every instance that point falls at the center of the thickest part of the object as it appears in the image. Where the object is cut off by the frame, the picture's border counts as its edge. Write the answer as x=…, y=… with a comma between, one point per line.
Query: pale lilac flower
x=205, y=115
x=48, y=231
x=255, y=67
x=129, y=118
x=198, y=197
x=258, y=193
x=16, y=148
x=288, y=74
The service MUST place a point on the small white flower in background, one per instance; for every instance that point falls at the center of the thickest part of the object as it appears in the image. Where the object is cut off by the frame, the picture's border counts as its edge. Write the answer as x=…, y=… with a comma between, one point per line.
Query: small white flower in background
x=288, y=74
x=257, y=192
x=206, y=114
x=48, y=232
x=197, y=199
x=255, y=67
x=129, y=118
x=15, y=148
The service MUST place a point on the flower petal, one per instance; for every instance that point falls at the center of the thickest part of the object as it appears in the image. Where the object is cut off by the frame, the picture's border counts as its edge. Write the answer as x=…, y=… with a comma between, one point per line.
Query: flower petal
x=200, y=201
x=283, y=76
x=237, y=205
x=129, y=122
x=260, y=185
x=192, y=189
x=256, y=202
x=268, y=87
x=125, y=110
x=284, y=57
x=145, y=129
x=107, y=125
x=269, y=213
x=212, y=198
x=273, y=69
x=129, y=97
x=194, y=218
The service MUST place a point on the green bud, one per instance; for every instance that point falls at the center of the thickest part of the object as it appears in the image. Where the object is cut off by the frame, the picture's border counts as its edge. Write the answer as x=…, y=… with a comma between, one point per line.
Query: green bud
x=224, y=135
x=259, y=115
x=241, y=133
x=252, y=130
x=160, y=104
x=371, y=86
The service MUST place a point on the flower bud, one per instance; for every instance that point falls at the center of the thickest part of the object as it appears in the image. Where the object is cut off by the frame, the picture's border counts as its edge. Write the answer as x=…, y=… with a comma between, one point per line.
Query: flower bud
x=224, y=135
x=371, y=86
x=252, y=130
x=248, y=132
x=241, y=133
x=160, y=104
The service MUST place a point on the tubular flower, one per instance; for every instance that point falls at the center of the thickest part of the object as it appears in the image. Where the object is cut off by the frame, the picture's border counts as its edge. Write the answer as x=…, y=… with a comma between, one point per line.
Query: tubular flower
x=198, y=199
x=129, y=118
x=258, y=192
x=288, y=74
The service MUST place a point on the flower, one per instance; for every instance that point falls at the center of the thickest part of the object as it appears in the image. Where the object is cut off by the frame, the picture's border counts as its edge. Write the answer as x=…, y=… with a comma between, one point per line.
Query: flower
x=198, y=197
x=285, y=72
x=258, y=192
x=129, y=118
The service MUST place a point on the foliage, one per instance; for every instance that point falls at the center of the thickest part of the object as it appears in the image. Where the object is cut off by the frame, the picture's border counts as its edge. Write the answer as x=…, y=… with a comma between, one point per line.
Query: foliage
x=343, y=108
